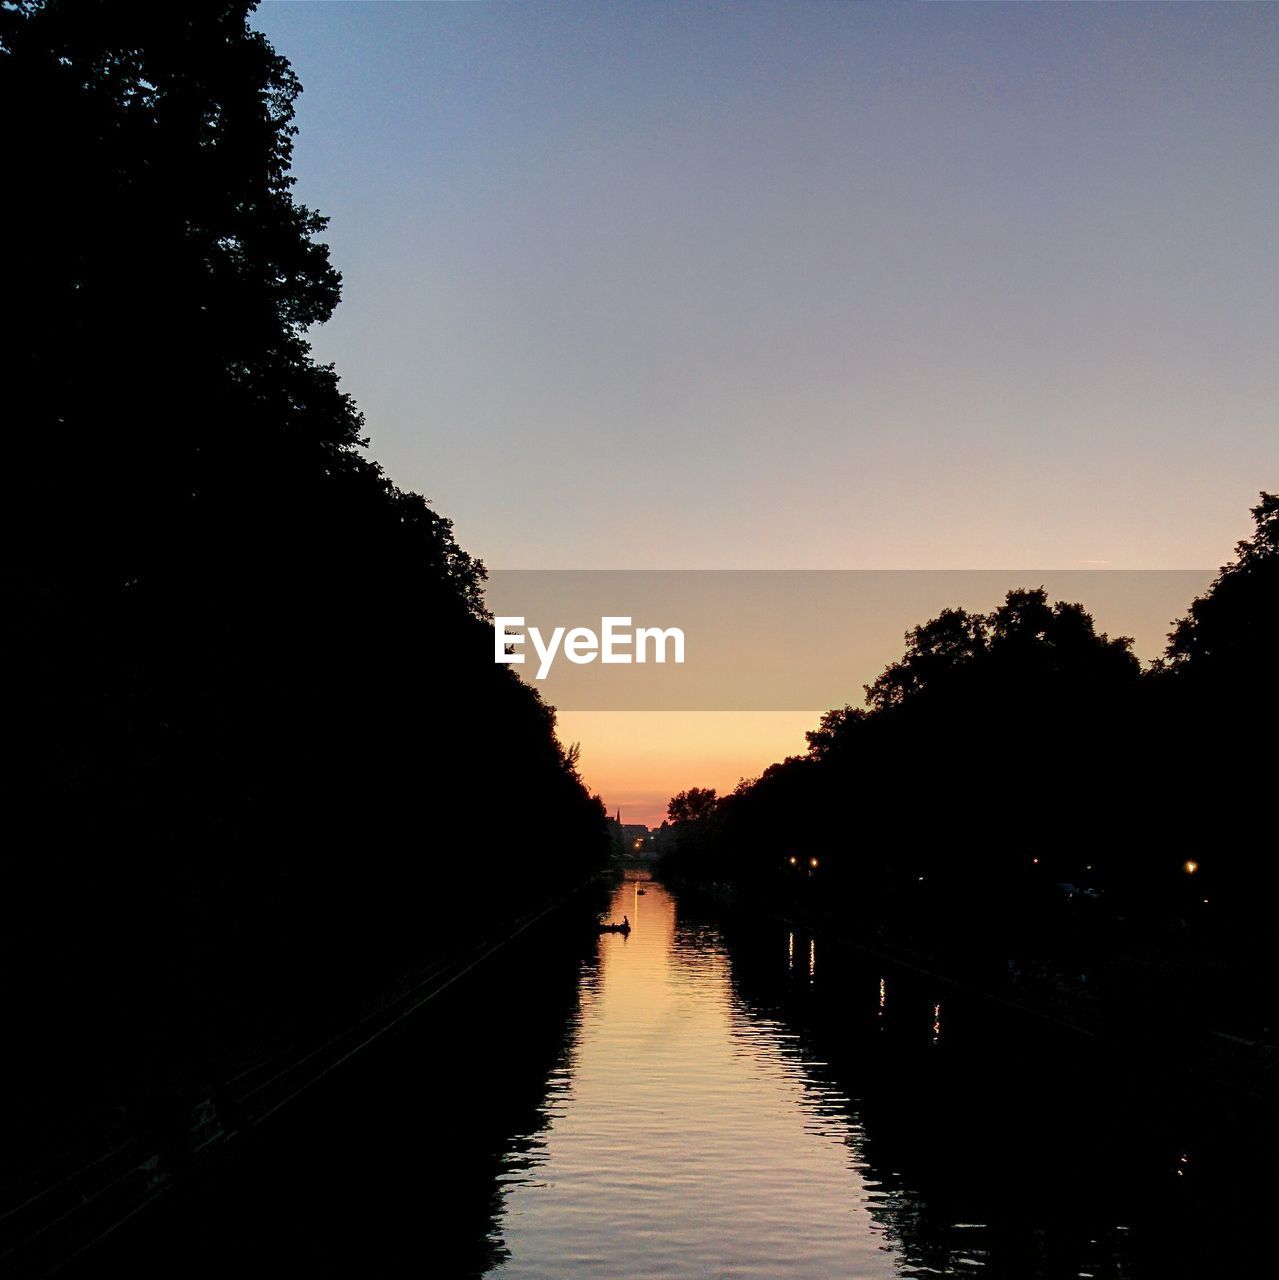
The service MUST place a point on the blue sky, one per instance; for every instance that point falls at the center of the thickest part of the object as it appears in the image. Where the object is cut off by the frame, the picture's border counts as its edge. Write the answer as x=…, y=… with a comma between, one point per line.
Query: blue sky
x=803, y=286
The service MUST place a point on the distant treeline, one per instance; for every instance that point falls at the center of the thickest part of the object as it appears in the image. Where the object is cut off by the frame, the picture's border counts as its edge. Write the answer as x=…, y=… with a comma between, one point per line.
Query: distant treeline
x=262, y=751
x=1018, y=794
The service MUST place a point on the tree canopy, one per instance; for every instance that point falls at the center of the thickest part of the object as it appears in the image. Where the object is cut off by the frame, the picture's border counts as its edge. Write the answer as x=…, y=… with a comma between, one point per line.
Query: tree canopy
x=1232, y=631
x=1027, y=725
x=1025, y=640
x=692, y=805
x=219, y=591
x=264, y=753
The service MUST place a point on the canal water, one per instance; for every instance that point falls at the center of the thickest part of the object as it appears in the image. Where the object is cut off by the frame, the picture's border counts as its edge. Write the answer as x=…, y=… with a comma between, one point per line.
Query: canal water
x=747, y=1100
x=720, y=1097
x=685, y=1134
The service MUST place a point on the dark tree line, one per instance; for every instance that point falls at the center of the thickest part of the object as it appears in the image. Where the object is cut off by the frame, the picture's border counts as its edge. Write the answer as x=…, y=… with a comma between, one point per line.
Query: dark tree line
x=262, y=750
x=1018, y=792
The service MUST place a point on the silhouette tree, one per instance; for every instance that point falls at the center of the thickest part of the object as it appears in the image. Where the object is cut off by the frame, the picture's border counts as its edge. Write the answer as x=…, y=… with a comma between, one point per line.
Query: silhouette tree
x=1212, y=723
x=935, y=651
x=1231, y=632
x=1025, y=640
x=693, y=805
x=1017, y=796
x=255, y=686
x=221, y=600
x=835, y=726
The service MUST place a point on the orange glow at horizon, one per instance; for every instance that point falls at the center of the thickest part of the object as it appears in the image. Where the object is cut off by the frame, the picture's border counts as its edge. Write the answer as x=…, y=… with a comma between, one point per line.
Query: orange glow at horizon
x=637, y=760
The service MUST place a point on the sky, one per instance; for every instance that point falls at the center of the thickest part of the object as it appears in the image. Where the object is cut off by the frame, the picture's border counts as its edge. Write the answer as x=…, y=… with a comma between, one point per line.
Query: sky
x=802, y=286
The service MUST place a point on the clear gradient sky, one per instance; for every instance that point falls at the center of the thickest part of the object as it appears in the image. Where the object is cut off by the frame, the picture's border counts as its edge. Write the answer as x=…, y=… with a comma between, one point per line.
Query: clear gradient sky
x=803, y=286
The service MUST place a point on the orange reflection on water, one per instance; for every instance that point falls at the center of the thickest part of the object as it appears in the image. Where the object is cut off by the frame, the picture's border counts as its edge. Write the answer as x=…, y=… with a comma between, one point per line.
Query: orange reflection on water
x=683, y=1135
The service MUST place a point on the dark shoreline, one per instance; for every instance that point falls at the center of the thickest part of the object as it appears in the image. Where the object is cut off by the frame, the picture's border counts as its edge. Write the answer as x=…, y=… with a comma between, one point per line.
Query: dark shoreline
x=1244, y=1071
x=46, y=1226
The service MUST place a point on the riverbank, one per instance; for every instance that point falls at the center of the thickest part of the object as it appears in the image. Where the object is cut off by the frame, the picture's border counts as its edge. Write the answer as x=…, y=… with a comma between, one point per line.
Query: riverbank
x=62, y=1209
x=716, y=1093
x=1242, y=1067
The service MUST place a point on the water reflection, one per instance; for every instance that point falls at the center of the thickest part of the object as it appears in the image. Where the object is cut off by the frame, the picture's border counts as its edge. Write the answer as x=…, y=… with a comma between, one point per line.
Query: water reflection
x=724, y=1114
x=397, y=1163
x=696, y=1142
x=691, y=1101
x=997, y=1145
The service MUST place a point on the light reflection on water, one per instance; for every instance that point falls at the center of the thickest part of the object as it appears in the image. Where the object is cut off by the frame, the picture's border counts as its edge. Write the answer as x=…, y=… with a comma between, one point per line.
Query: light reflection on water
x=686, y=1137
x=727, y=1106
x=704, y=1100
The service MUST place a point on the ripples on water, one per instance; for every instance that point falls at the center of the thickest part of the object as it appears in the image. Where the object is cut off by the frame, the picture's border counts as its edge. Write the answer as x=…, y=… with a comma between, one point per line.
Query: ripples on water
x=727, y=1099
x=695, y=1127
x=684, y=1137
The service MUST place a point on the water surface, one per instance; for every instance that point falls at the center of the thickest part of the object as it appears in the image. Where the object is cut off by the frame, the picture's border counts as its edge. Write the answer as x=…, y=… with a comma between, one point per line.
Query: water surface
x=743, y=1099
x=686, y=1137
x=723, y=1096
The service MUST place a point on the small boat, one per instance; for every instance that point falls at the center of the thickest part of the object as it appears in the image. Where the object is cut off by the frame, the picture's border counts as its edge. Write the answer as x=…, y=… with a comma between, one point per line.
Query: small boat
x=640, y=892
x=624, y=927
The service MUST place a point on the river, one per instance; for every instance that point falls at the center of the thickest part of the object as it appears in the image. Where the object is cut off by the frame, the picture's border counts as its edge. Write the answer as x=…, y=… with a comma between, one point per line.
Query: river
x=724, y=1098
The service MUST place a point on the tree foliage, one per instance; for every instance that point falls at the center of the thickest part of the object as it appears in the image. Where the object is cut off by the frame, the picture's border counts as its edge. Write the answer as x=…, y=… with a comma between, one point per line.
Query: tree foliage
x=694, y=805
x=264, y=751
x=1027, y=728
x=1232, y=631
x=1023, y=643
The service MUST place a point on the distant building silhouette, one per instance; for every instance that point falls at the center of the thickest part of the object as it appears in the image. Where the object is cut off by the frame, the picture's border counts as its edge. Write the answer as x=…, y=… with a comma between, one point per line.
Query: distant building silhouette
x=629, y=838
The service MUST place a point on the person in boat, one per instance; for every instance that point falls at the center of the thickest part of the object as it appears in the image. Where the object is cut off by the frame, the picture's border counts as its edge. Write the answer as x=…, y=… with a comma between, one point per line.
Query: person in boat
x=626, y=924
